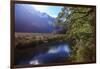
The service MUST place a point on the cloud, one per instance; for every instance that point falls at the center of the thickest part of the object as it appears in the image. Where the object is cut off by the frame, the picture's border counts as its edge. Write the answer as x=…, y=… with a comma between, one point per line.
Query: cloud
x=40, y=8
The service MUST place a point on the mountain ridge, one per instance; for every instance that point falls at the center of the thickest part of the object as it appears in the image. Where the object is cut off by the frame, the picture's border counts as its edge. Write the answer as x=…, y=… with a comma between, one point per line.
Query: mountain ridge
x=27, y=19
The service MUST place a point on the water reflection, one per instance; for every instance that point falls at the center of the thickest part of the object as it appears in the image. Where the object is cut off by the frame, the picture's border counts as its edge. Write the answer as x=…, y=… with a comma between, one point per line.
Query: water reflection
x=57, y=53
x=35, y=62
x=58, y=49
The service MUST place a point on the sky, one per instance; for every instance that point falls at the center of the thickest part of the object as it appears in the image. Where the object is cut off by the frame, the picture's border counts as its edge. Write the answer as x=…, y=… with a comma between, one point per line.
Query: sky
x=51, y=10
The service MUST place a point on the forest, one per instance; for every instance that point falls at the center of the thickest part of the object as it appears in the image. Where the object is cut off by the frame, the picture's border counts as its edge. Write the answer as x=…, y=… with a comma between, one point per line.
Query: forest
x=79, y=27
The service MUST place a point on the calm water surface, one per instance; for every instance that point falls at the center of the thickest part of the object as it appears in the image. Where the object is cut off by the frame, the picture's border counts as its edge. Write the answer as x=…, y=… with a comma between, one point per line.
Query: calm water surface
x=57, y=52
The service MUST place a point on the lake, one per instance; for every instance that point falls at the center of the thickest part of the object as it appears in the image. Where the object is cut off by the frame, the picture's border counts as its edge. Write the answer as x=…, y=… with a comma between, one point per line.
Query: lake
x=57, y=52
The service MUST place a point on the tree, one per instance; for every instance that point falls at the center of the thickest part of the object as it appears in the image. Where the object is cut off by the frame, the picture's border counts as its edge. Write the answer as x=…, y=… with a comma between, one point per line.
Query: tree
x=79, y=25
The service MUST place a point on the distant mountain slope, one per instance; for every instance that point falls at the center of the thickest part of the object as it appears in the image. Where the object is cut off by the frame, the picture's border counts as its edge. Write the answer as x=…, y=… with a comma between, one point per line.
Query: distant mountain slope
x=27, y=19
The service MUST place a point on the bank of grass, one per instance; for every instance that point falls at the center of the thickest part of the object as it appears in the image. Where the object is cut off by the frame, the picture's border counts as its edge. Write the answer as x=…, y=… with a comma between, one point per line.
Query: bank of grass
x=27, y=45
x=82, y=49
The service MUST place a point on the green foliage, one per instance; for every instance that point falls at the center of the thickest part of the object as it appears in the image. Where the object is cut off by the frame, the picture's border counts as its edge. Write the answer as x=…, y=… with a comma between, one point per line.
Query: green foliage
x=78, y=23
